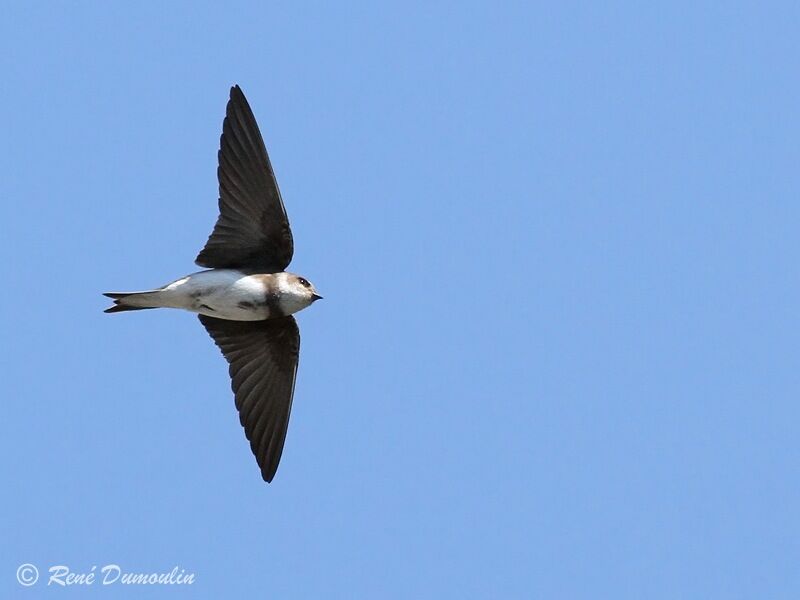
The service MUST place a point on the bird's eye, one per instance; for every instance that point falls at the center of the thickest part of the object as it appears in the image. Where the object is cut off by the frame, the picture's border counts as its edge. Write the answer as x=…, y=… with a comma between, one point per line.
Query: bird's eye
x=303, y=281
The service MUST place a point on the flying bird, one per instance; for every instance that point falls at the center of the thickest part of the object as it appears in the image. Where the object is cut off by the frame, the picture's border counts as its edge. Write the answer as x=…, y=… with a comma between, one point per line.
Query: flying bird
x=245, y=297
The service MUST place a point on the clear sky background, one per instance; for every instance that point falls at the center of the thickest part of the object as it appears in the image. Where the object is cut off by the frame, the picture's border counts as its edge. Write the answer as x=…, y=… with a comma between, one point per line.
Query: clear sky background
x=558, y=352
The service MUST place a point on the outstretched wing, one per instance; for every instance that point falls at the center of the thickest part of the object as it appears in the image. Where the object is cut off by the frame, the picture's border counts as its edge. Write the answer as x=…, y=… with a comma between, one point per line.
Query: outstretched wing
x=263, y=358
x=252, y=230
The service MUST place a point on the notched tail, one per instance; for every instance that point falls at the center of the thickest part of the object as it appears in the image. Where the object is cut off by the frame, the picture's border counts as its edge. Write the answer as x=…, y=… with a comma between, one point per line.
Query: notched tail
x=123, y=308
x=125, y=301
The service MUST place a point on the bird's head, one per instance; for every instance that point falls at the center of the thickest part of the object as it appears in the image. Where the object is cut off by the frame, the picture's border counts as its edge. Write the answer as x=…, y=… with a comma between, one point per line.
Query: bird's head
x=299, y=291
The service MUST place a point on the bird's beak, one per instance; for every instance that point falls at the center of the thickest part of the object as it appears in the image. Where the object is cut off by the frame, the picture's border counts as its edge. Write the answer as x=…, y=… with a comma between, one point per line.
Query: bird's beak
x=315, y=297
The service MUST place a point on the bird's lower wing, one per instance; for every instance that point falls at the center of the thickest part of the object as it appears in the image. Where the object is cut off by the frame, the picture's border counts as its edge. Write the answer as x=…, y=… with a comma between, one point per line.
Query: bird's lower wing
x=263, y=357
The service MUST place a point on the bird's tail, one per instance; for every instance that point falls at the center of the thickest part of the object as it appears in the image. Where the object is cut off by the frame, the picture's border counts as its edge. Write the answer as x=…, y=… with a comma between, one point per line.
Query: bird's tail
x=132, y=301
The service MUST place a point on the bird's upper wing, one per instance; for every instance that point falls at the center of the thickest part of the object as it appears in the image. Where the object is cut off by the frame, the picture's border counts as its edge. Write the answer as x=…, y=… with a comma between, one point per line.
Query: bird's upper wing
x=263, y=358
x=252, y=229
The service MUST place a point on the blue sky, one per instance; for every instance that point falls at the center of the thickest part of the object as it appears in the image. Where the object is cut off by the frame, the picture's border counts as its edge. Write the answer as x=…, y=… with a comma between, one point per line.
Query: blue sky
x=558, y=351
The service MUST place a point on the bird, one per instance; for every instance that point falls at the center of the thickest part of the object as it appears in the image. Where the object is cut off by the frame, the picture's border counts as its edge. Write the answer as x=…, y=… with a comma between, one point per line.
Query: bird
x=244, y=297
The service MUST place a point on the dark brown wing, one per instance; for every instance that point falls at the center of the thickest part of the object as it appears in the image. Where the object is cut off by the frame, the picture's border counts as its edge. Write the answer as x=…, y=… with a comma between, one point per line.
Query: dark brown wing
x=252, y=230
x=263, y=359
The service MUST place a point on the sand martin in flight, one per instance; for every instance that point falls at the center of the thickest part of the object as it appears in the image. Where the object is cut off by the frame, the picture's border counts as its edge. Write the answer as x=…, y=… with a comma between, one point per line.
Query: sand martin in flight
x=245, y=298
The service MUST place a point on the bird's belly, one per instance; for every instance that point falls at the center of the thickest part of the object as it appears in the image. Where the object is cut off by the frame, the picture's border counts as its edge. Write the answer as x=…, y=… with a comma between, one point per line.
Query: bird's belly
x=225, y=294
x=231, y=306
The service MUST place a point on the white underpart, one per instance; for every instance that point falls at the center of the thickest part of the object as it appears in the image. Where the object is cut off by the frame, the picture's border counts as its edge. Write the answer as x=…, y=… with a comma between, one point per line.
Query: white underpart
x=223, y=292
